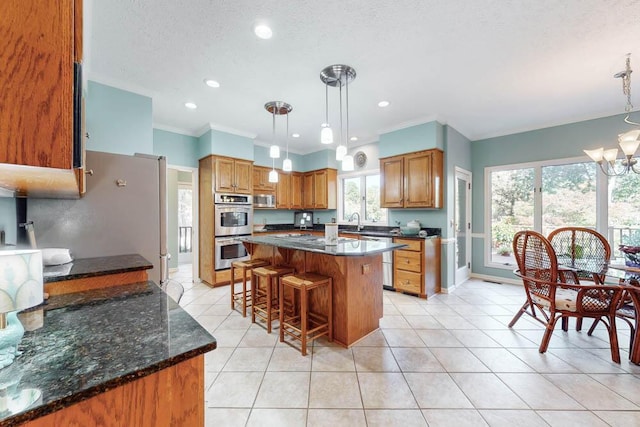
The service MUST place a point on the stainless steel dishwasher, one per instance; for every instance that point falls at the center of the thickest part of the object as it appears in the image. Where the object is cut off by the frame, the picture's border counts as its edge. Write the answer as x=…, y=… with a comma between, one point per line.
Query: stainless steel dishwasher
x=387, y=261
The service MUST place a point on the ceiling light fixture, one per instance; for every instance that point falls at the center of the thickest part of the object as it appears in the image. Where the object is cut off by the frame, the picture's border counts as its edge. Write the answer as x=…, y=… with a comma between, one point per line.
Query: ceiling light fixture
x=383, y=104
x=263, y=31
x=628, y=141
x=340, y=75
x=295, y=135
x=353, y=138
x=278, y=108
x=211, y=83
x=190, y=105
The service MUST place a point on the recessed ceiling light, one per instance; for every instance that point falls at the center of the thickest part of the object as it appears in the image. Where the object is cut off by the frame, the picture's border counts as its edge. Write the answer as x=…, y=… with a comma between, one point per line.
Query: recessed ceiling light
x=383, y=104
x=353, y=138
x=190, y=105
x=211, y=83
x=295, y=135
x=263, y=31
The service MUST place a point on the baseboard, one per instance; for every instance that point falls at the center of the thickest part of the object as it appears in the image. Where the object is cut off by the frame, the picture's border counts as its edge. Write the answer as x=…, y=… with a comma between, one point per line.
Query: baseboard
x=496, y=279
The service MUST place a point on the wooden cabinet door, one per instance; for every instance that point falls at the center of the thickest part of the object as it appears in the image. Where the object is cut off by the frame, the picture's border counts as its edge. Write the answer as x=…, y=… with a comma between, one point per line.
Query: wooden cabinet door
x=224, y=175
x=36, y=83
x=320, y=189
x=258, y=177
x=283, y=191
x=418, y=189
x=243, y=176
x=392, y=182
x=295, y=197
x=308, y=190
x=261, y=182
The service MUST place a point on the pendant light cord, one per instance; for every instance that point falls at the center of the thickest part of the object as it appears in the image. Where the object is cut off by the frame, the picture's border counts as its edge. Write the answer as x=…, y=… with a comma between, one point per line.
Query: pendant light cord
x=287, y=137
x=340, y=110
x=347, y=90
x=326, y=104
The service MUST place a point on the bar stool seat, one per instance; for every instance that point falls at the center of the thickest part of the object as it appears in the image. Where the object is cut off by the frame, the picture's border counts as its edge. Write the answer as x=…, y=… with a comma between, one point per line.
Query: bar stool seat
x=305, y=325
x=264, y=299
x=243, y=297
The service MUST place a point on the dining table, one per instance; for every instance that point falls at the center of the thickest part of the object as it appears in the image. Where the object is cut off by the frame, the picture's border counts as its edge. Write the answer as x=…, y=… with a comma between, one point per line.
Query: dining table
x=614, y=271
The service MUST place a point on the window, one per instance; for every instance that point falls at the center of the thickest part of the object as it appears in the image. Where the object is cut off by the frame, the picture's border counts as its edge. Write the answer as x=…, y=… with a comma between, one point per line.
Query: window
x=539, y=196
x=623, y=207
x=360, y=193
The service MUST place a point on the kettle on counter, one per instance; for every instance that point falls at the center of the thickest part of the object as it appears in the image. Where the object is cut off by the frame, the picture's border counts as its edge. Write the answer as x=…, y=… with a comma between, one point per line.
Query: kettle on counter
x=414, y=224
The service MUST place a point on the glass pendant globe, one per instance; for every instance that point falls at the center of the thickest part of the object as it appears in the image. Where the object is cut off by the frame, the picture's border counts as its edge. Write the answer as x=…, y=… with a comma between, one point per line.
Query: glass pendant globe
x=347, y=163
x=273, y=176
x=341, y=151
x=287, y=166
x=274, y=152
x=326, y=134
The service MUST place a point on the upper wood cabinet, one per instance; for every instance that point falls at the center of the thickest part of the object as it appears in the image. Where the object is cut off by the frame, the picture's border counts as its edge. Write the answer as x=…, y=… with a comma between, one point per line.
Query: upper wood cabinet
x=289, y=190
x=41, y=42
x=233, y=175
x=412, y=180
x=320, y=189
x=261, y=184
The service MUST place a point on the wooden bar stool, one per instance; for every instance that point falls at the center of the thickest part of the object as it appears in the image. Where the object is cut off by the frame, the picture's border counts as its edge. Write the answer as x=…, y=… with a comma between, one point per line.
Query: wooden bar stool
x=243, y=297
x=306, y=326
x=264, y=299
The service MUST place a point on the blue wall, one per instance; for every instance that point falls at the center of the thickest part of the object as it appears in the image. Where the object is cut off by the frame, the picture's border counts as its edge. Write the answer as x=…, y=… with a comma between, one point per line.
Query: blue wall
x=414, y=138
x=558, y=142
x=225, y=144
x=180, y=150
x=118, y=121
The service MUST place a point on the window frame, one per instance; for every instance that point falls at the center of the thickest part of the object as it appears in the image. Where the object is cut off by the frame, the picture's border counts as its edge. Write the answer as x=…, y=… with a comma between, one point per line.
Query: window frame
x=362, y=174
x=602, y=219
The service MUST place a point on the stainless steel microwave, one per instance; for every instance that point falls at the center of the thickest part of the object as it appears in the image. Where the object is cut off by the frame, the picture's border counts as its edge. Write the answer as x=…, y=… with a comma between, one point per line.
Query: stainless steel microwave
x=264, y=201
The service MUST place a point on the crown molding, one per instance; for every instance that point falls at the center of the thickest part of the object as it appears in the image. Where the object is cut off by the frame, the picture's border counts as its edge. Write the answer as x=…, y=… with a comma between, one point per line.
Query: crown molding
x=212, y=126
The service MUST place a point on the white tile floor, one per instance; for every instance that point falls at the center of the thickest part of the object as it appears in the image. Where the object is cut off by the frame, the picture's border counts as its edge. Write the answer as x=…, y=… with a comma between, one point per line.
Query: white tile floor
x=446, y=361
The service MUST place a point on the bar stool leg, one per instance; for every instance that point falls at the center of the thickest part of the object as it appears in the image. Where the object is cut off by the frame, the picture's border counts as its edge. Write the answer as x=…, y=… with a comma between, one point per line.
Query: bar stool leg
x=281, y=313
x=269, y=305
x=244, y=290
x=330, y=310
x=233, y=288
x=254, y=287
x=303, y=319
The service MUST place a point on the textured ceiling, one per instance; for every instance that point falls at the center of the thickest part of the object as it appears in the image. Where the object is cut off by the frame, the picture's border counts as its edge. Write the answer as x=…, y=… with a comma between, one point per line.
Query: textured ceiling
x=487, y=68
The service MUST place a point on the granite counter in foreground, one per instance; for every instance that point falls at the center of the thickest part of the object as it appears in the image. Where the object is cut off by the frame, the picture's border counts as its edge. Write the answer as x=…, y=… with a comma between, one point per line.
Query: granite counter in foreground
x=98, y=341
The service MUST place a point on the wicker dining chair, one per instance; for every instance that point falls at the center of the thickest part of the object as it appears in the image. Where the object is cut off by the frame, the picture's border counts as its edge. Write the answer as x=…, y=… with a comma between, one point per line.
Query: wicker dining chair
x=553, y=299
x=585, y=245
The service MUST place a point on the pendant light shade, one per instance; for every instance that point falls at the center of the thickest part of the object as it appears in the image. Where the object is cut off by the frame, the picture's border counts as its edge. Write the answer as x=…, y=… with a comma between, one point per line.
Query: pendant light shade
x=274, y=152
x=287, y=166
x=341, y=151
x=347, y=163
x=273, y=176
x=326, y=134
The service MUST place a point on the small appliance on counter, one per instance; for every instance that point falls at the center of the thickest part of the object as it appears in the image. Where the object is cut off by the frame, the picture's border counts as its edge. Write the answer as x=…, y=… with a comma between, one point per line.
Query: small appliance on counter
x=303, y=219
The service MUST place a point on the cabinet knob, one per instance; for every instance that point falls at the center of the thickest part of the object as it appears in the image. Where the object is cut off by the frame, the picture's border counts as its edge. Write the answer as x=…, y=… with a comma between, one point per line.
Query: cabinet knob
x=89, y=172
x=86, y=135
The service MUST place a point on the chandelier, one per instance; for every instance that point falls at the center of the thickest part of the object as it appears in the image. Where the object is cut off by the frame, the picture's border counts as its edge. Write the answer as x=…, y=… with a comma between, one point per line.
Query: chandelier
x=628, y=141
x=338, y=75
x=278, y=108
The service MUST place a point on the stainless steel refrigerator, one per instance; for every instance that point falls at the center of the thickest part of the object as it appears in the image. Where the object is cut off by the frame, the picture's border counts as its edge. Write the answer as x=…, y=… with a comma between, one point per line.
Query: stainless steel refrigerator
x=123, y=211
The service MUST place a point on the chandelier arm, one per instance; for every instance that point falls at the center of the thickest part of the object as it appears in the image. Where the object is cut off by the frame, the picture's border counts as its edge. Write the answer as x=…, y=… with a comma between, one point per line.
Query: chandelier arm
x=628, y=121
x=610, y=169
x=633, y=168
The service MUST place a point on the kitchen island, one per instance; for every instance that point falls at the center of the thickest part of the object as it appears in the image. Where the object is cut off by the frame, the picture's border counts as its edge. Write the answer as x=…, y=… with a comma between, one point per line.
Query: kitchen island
x=354, y=265
x=117, y=356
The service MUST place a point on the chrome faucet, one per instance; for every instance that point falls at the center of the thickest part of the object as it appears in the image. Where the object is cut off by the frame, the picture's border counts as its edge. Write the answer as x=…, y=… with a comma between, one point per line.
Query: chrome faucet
x=360, y=227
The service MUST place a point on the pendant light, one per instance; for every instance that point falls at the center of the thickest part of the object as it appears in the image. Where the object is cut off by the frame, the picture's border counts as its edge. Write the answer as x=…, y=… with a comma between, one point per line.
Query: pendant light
x=340, y=75
x=278, y=108
x=326, y=134
x=287, y=166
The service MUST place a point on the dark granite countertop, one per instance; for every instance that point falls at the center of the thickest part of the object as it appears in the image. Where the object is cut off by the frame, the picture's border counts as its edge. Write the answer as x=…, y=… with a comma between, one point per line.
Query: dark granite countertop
x=99, y=266
x=94, y=341
x=311, y=243
x=368, y=230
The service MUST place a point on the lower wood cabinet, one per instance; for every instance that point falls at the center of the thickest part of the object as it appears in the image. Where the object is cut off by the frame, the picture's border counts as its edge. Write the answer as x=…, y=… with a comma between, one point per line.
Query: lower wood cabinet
x=417, y=266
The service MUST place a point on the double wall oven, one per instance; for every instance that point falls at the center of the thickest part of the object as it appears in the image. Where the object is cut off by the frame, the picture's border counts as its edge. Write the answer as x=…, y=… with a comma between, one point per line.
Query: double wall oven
x=233, y=218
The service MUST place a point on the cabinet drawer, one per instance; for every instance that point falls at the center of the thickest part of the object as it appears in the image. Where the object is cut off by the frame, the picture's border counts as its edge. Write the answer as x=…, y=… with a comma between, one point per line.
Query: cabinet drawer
x=408, y=281
x=412, y=244
x=407, y=260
